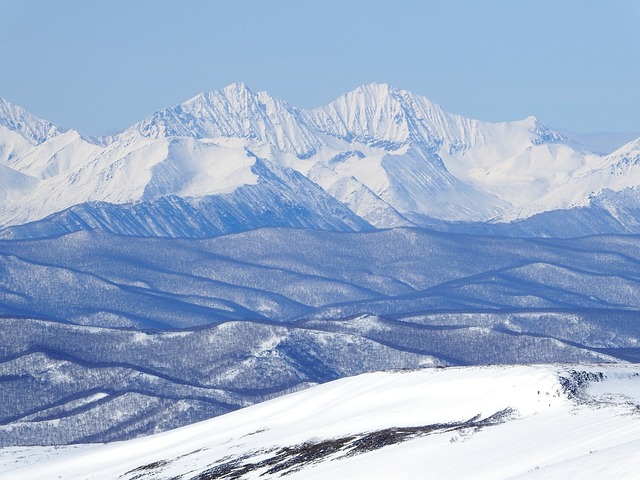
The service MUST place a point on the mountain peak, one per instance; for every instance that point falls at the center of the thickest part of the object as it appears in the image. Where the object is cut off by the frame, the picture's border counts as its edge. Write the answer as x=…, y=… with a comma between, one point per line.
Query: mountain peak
x=382, y=92
x=379, y=114
x=377, y=90
x=377, y=93
x=32, y=128
x=238, y=96
x=238, y=88
x=234, y=112
x=369, y=114
x=543, y=133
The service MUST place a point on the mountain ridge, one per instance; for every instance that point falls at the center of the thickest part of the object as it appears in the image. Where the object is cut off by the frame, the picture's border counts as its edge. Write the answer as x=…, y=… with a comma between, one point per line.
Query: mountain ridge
x=393, y=157
x=31, y=127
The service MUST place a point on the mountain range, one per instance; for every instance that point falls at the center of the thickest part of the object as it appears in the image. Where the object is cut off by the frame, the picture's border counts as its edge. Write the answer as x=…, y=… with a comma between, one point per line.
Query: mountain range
x=234, y=248
x=377, y=157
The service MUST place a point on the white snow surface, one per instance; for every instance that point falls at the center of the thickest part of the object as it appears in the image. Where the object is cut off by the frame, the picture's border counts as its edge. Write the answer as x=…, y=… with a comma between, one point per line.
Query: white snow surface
x=543, y=432
x=393, y=157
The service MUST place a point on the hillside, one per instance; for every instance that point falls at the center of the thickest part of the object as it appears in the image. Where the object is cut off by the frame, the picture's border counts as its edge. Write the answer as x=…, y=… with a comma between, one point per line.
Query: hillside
x=496, y=422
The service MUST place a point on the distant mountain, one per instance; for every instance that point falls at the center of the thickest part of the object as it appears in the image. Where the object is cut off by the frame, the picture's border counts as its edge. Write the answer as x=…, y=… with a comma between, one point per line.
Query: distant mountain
x=20, y=133
x=603, y=142
x=235, y=248
x=234, y=112
x=390, y=157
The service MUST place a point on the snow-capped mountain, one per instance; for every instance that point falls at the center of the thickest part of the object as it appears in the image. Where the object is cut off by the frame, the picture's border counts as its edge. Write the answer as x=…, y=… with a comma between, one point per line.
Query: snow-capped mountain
x=109, y=332
x=20, y=132
x=30, y=128
x=234, y=112
x=518, y=422
x=392, y=158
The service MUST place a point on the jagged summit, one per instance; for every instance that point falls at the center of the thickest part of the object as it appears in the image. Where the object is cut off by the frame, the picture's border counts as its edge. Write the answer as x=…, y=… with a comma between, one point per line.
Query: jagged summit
x=380, y=115
x=542, y=133
x=32, y=128
x=234, y=111
x=376, y=114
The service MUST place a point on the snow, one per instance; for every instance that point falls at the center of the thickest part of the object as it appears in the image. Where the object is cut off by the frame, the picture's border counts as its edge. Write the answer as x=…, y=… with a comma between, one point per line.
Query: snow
x=31, y=128
x=547, y=434
x=391, y=156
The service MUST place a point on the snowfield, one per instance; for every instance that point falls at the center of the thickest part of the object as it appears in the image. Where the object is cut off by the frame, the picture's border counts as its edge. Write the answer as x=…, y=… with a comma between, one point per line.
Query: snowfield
x=470, y=422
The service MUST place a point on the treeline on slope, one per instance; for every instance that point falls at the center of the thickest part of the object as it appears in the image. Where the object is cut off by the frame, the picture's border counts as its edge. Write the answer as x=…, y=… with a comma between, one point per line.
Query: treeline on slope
x=66, y=383
x=283, y=275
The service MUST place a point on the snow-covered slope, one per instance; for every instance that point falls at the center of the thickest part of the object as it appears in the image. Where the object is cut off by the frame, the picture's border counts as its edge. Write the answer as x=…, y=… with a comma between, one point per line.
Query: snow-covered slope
x=280, y=197
x=494, y=423
x=120, y=384
x=20, y=132
x=98, y=384
x=393, y=158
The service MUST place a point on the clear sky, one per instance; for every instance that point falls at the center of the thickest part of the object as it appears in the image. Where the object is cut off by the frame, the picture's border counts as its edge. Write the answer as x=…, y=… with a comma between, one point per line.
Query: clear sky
x=100, y=66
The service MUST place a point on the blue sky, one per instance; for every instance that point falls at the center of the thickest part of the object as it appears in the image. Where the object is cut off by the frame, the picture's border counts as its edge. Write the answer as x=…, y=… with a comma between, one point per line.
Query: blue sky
x=101, y=66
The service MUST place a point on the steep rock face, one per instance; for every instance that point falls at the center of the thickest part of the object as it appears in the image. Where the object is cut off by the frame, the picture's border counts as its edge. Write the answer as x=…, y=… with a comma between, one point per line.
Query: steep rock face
x=381, y=115
x=370, y=114
x=405, y=168
x=486, y=169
